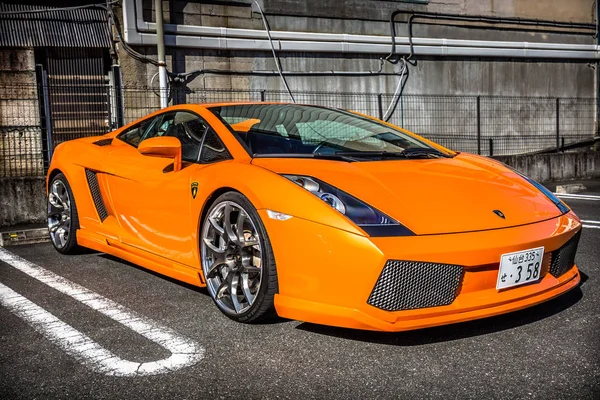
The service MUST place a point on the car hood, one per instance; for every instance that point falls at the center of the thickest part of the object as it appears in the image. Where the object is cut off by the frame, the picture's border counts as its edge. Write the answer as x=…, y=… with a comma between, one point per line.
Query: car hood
x=432, y=196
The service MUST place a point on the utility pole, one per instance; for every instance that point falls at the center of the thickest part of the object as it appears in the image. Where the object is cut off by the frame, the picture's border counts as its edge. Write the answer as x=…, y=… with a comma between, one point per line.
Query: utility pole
x=160, y=44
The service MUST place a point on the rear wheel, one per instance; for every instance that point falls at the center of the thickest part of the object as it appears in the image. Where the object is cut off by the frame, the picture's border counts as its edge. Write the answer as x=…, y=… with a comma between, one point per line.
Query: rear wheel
x=63, y=220
x=237, y=259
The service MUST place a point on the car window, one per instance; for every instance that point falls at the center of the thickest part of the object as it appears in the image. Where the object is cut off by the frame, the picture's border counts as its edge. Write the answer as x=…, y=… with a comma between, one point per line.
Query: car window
x=213, y=149
x=189, y=128
x=134, y=135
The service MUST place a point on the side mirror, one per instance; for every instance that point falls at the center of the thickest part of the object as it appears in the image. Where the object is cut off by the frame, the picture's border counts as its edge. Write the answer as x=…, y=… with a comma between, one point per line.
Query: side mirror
x=163, y=146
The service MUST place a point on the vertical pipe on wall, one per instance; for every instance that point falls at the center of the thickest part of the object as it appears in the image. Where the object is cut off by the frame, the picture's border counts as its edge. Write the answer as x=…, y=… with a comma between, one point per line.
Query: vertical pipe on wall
x=557, y=124
x=598, y=70
x=479, y=125
x=160, y=44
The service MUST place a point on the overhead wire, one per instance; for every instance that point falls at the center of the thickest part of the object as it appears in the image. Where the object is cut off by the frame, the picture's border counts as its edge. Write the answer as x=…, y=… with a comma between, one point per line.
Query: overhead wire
x=275, y=56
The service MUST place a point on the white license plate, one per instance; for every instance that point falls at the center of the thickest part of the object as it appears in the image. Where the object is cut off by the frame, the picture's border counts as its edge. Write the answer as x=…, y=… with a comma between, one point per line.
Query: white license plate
x=519, y=268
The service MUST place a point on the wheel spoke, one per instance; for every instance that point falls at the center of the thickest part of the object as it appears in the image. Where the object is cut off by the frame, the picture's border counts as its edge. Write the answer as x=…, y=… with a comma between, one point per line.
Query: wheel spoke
x=222, y=289
x=233, y=285
x=214, y=249
x=240, y=226
x=215, y=225
x=246, y=289
x=227, y=224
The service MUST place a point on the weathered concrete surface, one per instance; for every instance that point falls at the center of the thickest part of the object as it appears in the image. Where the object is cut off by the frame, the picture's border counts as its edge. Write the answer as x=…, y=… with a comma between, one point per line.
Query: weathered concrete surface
x=556, y=167
x=22, y=201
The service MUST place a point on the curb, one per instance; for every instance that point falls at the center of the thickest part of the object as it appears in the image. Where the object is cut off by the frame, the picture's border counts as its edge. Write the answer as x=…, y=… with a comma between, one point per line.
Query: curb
x=572, y=188
x=24, y=236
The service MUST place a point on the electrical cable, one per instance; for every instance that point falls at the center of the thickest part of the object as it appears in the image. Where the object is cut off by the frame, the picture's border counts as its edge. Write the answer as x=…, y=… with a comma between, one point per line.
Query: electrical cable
x=275, y=57
x=134, y=54
x=469, y=18
x=398, y=92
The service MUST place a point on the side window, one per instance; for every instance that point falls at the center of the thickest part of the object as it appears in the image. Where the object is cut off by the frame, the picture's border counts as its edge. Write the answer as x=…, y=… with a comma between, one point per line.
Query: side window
x=213, y=149
x=135, y=134
x=189, y=129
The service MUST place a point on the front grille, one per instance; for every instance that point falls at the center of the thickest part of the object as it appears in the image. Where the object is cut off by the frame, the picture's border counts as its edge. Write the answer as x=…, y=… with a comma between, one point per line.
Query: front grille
x=563, y=259
x=406, y=285
x=96, y=195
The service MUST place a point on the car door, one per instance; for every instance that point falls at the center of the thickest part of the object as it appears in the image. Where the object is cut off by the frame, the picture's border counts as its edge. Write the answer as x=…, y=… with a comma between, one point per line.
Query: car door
x=153, y=202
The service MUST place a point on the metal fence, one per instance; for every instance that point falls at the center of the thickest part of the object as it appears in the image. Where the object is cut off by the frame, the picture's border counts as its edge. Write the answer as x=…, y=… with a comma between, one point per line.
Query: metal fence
x=34, y=119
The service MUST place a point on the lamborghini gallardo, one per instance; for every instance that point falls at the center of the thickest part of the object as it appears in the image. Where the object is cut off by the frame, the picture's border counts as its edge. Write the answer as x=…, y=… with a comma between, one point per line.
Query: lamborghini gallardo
x=314, y=214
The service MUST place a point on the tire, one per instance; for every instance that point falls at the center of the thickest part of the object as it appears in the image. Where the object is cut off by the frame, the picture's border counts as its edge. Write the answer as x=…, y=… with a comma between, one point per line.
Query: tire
x=241, y=286
x=63, y=222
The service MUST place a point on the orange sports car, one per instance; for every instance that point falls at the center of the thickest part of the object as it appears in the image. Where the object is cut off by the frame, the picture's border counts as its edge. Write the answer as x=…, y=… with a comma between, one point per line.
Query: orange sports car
x=314, y=214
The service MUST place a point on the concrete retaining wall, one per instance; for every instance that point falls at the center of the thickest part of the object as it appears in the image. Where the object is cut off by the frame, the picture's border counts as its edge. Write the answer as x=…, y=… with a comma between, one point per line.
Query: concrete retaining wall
x=22, y=201
x=556, y=167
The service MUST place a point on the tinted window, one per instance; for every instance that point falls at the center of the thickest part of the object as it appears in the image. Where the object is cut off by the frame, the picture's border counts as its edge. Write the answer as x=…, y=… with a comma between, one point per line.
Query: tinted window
x=213, y=149
x=134, y=135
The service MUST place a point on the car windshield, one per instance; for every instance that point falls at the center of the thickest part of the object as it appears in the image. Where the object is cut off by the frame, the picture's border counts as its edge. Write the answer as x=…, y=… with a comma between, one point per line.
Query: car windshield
x=298, y=130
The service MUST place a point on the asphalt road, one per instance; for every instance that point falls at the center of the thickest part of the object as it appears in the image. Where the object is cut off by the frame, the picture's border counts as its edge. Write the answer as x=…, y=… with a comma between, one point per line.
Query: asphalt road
x=548, y=351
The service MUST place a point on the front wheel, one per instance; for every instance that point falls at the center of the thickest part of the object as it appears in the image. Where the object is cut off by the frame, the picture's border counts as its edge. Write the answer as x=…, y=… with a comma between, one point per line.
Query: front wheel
x=63, y=220
x=237, y=259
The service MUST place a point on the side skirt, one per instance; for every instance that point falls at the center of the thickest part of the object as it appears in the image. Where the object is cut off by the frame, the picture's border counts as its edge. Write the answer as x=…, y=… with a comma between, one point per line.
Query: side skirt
x=139, y=257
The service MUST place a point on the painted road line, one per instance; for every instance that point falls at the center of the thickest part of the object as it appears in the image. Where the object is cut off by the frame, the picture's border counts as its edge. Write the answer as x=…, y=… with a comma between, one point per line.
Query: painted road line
x=590, y=224
x=184, y=352
x=578, y=196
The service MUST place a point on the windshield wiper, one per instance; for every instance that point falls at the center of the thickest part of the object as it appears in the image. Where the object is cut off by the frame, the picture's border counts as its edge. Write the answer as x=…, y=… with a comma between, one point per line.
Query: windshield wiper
x=414, y=152
x=370, y=154
x=423, y=152
x=334, y=157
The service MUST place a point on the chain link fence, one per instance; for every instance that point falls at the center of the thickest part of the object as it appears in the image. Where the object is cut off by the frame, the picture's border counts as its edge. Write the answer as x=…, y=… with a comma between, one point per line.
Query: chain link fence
x=35, y=119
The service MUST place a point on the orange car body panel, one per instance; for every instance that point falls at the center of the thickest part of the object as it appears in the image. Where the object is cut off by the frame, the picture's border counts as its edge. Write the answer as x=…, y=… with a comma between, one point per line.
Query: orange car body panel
x=327, y=266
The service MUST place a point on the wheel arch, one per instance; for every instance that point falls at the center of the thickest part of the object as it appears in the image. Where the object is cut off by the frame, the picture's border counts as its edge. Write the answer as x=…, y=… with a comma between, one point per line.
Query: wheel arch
x=51, y=175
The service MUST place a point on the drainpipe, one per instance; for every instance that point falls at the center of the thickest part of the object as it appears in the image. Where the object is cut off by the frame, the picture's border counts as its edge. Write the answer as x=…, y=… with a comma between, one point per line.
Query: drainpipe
x=597, y=146
x=160, y=45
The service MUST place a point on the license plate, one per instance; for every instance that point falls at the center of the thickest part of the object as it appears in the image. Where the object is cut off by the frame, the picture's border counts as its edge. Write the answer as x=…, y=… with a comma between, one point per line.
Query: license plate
x=519, y=268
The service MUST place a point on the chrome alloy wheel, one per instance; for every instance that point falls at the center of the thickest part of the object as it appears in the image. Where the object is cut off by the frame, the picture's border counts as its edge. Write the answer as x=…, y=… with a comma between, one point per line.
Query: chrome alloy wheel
x=59, y=214
x=232, y=257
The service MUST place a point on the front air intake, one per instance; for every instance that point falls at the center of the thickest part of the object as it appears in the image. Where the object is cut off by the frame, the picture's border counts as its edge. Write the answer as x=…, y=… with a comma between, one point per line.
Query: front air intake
x=406, y=285
x=563, y=259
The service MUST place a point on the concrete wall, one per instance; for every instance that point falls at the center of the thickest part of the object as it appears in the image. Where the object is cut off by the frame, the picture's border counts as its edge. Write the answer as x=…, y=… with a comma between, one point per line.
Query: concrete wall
x=20, y=133
x=431, y=75
x=556, y=167
x=22, y=201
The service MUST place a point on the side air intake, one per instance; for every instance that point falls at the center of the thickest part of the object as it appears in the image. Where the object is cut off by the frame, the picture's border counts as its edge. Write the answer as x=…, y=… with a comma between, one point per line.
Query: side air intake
x=96, y=195
x=103, y=142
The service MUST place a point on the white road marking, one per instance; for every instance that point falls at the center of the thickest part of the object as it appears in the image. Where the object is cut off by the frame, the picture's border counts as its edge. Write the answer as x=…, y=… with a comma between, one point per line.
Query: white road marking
x=184, y=352
x=591, y=226
x=586, y=223
x=578, y=196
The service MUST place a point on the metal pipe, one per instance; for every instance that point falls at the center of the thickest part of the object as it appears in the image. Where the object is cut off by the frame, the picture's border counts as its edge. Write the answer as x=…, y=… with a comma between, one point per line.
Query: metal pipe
x=160, y=45
x=139, y=32
x=598, y=70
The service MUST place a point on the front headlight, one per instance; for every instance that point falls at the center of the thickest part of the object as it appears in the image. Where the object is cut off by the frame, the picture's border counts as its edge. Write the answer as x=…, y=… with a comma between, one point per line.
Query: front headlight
x=371, y=220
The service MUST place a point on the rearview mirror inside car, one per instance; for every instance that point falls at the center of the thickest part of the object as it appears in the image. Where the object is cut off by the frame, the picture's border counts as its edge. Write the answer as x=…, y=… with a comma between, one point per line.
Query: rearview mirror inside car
x=164, y=146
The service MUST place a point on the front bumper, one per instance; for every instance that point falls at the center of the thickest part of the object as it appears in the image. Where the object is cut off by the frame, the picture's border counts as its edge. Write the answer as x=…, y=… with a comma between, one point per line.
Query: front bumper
x=326, y=275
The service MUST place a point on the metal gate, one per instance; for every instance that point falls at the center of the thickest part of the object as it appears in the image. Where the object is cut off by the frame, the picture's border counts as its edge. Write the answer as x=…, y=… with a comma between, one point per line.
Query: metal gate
x=78, y=93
